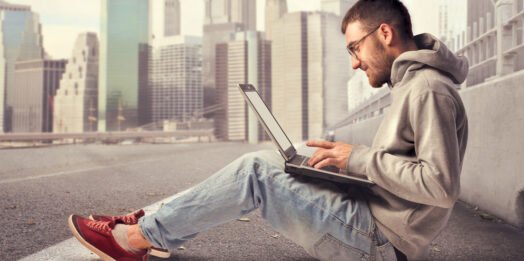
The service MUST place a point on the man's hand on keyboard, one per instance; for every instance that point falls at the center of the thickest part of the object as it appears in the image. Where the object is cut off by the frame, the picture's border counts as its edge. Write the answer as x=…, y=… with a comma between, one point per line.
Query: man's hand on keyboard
x=329, y=154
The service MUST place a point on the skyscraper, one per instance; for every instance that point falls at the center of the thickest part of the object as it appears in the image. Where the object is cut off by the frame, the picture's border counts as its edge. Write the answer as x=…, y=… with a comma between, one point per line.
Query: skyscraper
x=20, y=39
x=244, y=59
x=217, y=11
x=453, y=22
x=213, y=34
x=175, y=73
x=231, y=11
x=35, y=84
x=310, y=71
x=171, y=17
x=328, y=66
x=337, y=7
x=340, y=8
x=222, y=17
x=244, y=12
x=275, y=9
x=76, y=100
x=123, y=54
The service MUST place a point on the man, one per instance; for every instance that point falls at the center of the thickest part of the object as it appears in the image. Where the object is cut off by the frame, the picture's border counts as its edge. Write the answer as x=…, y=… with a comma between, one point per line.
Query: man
x=415, y=161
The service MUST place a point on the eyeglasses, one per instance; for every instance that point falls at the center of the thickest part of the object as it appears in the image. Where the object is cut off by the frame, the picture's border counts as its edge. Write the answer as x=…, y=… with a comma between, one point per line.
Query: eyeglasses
x=353, y=48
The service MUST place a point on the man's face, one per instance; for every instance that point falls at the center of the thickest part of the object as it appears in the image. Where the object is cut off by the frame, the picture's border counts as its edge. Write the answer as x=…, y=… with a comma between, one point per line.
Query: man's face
x=369, y=54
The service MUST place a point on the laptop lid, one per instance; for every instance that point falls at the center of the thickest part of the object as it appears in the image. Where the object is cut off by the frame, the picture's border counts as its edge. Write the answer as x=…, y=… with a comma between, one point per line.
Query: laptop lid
x=269, y=122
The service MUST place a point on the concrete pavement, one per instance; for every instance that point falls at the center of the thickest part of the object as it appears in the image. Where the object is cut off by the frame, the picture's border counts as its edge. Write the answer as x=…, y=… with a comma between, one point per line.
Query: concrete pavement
x=470, y=235
x=39, y=188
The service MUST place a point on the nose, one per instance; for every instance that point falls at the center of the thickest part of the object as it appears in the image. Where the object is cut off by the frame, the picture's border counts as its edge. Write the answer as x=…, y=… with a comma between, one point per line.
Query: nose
x=355, y=63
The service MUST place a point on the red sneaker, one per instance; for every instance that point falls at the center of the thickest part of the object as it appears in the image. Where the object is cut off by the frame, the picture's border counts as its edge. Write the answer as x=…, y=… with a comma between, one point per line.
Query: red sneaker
x=132, y=219
x=97, y=237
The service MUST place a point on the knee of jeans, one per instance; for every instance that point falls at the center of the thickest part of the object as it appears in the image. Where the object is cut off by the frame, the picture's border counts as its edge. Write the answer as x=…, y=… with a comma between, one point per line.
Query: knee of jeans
x=251, y=161
x=255, y=163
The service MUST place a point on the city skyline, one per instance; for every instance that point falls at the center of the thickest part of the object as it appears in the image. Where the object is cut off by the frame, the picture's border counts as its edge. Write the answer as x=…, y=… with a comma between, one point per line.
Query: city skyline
x=62, y=21
x=142, y=22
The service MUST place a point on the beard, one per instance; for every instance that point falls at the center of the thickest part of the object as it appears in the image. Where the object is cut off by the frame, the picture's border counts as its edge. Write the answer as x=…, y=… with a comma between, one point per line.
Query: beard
x=378, y=66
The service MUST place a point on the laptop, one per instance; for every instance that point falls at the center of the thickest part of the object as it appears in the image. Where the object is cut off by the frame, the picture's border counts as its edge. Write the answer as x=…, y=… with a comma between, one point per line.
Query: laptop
x=294, y=163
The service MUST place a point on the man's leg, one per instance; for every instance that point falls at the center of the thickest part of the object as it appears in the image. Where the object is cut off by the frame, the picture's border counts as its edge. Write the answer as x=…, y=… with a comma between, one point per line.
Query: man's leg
x=318, y=215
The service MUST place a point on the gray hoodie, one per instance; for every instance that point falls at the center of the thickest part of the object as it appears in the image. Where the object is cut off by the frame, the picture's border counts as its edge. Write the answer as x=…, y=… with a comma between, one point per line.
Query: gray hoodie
x=416, y=155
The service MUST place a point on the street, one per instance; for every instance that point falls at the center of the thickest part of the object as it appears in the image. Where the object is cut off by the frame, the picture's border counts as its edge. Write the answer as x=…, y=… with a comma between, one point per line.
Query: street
x=41, y=187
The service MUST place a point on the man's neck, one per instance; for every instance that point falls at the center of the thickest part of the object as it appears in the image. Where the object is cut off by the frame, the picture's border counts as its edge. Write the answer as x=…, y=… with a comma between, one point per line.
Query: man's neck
x=406, y=47
x=411, y=46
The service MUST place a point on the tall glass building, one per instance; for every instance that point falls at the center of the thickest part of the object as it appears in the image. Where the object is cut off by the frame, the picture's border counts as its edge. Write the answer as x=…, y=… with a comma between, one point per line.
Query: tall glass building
x=171, y=17
x=310, y=70
x=36, y=82
x=337, y=7
x=175, y=79
x=221, y=18
x=20, y=39
x=76, y=100
x=275, y=9
x=123, y=62
x=244, y=59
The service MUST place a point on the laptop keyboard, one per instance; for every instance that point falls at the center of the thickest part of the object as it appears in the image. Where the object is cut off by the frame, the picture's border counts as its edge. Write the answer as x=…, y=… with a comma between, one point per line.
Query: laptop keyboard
x=303, y=160
x=299, y=159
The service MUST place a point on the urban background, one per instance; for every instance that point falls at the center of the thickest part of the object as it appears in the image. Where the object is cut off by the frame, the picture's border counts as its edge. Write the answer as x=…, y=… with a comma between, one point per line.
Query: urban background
x=136, y=68
x=139, y=71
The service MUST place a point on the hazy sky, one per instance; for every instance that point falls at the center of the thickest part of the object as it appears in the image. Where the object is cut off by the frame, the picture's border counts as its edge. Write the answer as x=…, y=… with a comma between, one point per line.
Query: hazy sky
x=63, y=20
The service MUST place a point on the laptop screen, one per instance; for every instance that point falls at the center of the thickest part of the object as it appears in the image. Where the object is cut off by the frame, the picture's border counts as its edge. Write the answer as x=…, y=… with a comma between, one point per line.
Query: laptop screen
x=269, y=120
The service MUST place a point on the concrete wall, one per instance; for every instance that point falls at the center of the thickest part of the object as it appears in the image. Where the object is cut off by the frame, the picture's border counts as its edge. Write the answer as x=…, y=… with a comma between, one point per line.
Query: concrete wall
x=359, y=133
x=492, y=174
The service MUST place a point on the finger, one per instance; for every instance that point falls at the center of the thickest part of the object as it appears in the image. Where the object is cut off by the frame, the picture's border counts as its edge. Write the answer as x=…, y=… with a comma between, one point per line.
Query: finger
x=320, y=143
x=315, y=155
x=326, y=162
x=320, y=155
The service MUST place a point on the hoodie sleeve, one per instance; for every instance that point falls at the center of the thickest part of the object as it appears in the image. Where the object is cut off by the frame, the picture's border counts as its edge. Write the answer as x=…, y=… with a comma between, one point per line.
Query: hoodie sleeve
x=434, y=178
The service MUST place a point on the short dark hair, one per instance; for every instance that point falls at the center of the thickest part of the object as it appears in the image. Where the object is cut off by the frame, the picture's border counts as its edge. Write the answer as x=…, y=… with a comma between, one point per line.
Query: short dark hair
x=371, y=13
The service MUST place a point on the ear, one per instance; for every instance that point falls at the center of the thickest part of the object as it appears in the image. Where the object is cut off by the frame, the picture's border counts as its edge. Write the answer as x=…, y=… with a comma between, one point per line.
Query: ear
x=386, y=34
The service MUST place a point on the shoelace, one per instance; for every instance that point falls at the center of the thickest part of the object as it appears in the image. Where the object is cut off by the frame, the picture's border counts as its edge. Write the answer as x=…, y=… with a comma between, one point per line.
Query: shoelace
x=129, y=219
x=103, y=227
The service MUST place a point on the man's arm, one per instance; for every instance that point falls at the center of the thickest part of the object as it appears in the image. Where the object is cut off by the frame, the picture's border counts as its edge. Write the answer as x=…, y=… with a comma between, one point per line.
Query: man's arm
x=435, y=178
x=432, y=180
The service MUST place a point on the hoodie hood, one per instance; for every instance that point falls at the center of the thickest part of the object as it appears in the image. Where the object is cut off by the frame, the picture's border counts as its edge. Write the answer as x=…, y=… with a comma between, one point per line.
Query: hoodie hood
x=433, y=53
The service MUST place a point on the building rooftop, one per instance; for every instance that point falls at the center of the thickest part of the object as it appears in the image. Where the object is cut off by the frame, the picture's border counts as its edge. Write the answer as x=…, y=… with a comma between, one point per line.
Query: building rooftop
x=13, y=7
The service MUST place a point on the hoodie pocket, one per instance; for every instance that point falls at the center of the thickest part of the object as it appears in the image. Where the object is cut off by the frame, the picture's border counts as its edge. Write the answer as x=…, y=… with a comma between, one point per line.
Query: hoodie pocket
x=331, y=248
x=386, y=252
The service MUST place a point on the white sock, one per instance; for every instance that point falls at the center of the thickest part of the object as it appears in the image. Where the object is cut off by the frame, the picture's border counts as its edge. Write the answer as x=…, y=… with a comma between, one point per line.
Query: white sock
x=120, y=235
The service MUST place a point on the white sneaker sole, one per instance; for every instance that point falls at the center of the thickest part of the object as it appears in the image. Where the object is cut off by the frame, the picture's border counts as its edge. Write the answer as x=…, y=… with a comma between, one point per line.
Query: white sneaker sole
x=85, y=243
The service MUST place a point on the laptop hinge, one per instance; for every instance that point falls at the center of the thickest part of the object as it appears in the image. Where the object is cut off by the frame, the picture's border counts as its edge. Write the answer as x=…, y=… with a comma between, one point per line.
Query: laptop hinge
x=292, y=153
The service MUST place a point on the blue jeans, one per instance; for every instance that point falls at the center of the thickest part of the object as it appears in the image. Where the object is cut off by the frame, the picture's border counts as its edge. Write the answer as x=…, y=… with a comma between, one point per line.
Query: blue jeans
x=320, y=216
